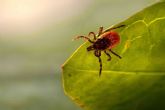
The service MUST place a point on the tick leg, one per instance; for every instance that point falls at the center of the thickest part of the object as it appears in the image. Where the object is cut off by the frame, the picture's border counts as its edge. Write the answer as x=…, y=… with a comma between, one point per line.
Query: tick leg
x=100, y=31
x=92, y=33
x=84, y=38
x=115, y=27
x=98, y=54
x=108, y=55
x=100, y=66
x=115, y=53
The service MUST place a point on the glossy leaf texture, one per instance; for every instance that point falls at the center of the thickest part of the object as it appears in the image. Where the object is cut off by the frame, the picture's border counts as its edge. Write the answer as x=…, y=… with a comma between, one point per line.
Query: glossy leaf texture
x=135, y=82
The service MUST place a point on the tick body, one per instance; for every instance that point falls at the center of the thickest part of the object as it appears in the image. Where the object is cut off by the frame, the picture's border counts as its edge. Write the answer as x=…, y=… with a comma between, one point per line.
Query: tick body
x=103, y=42
x=108, y=40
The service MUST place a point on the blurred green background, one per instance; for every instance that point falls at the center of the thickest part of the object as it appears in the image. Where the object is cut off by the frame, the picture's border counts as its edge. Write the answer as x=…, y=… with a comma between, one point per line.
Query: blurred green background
x=35, y=40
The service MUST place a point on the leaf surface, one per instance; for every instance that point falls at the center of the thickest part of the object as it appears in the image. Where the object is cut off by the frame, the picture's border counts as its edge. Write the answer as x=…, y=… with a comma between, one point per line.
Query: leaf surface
x=135, y=82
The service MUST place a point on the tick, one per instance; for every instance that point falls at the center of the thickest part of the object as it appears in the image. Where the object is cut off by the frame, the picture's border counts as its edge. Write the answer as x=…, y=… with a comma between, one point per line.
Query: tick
x=104, y=41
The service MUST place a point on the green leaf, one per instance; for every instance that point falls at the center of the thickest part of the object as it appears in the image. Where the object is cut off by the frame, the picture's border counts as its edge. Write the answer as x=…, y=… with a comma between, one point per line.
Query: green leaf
x=135, y=82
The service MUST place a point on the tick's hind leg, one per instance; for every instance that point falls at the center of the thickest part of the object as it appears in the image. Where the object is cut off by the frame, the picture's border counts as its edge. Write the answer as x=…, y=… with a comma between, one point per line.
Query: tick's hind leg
x=98, y=54
x=115, y=54
x=108, y=55
x=115, y=27
x=100, y=61
x=78, y=37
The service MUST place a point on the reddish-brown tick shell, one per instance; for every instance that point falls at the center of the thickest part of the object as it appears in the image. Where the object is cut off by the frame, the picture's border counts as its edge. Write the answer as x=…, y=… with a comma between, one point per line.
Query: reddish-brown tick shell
x=113, y=37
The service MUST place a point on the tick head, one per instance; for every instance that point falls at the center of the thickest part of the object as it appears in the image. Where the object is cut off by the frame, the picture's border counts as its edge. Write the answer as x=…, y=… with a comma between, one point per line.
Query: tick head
x=90, y=48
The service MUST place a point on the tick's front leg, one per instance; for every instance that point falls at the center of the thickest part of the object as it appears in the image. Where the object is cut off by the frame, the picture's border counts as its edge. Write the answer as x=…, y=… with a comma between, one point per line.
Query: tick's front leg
x=92, y=33
x=78, y=37
x=100, y=31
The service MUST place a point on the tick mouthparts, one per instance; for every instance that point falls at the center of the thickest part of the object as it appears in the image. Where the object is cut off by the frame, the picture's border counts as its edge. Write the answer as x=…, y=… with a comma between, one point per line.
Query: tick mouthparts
x=74, y=39
x=90, y=48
